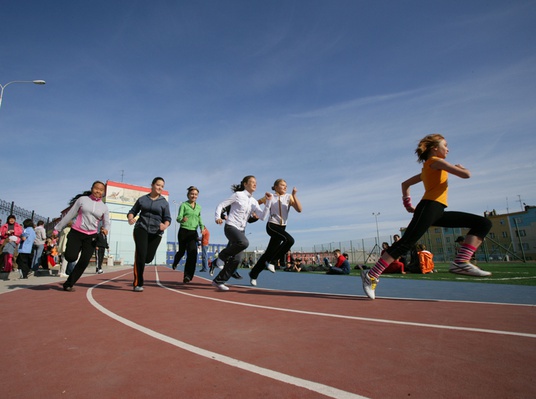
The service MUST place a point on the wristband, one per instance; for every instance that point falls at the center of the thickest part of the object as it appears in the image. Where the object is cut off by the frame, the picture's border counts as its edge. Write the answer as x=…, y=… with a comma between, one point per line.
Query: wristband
x=407, y=202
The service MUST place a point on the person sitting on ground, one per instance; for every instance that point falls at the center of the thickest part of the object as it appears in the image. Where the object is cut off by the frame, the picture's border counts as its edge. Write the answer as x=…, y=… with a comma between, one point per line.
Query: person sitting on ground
x=297, y=266
x=342, y=266
x=395, y=266
x=426, y=259
x=421, y=260
x=402, y=259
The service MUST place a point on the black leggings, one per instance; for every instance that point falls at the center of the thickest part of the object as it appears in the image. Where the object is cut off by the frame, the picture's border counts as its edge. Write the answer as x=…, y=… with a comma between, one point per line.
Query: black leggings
x=233, y=254
x=78, y=244
x=187, y=244
x=99, y=254
x=280, y=243
x=146, y=246
x=432, y=213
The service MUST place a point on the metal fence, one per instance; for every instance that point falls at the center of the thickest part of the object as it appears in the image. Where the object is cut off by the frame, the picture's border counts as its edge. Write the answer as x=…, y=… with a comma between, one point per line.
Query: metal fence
x=368, y=250
x=9, y=208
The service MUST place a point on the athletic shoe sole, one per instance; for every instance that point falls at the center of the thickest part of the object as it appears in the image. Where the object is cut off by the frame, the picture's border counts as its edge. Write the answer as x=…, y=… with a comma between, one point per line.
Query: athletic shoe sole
x=220, y=287
x=468, y=269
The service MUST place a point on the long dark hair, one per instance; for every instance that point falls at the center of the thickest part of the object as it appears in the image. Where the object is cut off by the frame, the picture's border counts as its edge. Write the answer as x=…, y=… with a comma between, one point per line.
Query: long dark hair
x=27, y=223
x=85, y=193
x=241, y=186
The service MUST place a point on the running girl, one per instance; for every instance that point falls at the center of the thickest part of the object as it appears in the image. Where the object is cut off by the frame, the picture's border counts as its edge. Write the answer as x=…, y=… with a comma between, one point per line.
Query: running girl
x=430, y=211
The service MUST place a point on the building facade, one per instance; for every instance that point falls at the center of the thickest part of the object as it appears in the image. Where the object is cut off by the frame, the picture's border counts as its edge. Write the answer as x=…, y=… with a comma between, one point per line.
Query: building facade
x=120, y=198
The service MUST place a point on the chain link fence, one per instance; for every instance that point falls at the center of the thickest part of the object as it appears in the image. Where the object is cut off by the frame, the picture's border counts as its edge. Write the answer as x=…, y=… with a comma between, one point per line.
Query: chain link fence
x=368, y=250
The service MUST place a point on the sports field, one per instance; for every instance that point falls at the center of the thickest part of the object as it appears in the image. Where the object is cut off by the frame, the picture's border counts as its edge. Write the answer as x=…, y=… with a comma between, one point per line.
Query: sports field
x=513, y=273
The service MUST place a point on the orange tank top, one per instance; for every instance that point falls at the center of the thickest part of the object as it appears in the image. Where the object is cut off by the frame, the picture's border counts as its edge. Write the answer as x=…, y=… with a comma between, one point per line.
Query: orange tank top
x=435, y=182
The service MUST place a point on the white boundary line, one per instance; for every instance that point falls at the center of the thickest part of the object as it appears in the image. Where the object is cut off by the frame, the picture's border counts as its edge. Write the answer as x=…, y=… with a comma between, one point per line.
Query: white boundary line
x=299, y=382
x=375, y=320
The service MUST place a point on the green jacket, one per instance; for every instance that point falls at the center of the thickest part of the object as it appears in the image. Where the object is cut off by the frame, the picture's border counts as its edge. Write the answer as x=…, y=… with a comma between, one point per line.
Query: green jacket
x=193, y=216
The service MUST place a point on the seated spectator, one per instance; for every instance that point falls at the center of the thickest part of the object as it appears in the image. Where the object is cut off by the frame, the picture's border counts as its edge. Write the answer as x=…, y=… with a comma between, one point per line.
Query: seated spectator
x=396, y=266
x=9, y=253
x=48, y=260
x=297, y=266
x=342, y=266
x=402, y=259
x=421, y=260
x=426, y=260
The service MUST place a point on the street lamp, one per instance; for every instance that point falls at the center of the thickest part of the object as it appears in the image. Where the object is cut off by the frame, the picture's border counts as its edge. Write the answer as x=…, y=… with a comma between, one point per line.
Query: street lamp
x=2, y=87
x=377, y=230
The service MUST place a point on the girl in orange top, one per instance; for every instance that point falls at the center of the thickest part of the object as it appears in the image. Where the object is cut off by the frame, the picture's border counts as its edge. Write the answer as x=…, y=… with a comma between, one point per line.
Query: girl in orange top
x=430, y=211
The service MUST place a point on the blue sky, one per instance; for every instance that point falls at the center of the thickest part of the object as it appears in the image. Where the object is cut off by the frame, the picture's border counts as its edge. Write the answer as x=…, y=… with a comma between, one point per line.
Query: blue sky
x=332, y=96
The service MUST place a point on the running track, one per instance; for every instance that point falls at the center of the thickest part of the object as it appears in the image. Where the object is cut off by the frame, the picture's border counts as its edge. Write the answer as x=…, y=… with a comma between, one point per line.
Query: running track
x=316, y=341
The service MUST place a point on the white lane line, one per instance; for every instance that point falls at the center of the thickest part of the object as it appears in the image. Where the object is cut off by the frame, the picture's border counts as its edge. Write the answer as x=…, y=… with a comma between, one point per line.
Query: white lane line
x=375, y=320
x=299, y=382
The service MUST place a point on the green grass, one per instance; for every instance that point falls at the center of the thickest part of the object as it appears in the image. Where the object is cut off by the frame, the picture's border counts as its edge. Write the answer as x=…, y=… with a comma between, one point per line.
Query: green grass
x=512, y=273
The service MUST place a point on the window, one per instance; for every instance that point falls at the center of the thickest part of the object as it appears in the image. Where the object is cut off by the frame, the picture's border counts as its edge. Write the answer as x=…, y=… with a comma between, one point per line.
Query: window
x=521, y=233
x=504, y=234
x=491, y=235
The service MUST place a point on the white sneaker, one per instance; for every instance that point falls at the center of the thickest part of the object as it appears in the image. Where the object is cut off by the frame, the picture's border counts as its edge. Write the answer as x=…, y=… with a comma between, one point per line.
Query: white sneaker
x=369, y=284
x=270, y=267
x=219, y=263
x=468, y=269
x=253, y=282
x=138, y=289
x=220, y=287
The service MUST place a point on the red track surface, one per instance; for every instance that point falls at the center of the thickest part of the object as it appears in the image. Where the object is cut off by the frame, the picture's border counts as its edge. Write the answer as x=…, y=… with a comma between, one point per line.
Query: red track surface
x=190, y=341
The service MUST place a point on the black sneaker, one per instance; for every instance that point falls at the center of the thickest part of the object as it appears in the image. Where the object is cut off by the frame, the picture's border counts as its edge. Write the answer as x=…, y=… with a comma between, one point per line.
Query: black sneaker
x=186, y=279
x=237, y=276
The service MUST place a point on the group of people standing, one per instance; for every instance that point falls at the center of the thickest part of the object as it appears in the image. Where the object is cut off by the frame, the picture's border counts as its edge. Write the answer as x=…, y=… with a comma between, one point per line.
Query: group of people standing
x=28, y=244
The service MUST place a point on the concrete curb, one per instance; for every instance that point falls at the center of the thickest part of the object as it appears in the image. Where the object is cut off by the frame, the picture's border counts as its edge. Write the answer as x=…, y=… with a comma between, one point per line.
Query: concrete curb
x=13, y=281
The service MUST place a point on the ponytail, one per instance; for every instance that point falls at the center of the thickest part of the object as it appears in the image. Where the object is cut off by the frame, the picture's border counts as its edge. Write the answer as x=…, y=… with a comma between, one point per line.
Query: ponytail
x=426, y=144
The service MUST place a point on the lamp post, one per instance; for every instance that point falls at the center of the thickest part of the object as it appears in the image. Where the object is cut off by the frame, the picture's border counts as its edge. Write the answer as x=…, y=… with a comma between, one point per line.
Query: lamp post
x=376, y=214
x=2, y=87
